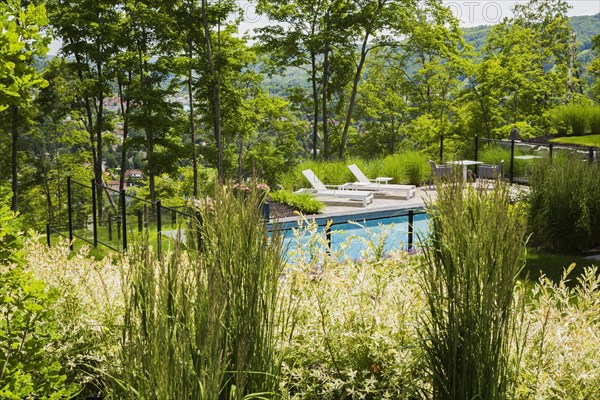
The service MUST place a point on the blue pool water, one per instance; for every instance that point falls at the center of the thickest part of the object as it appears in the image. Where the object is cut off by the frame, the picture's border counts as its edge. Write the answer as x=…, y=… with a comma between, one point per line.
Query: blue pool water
x=357, y=236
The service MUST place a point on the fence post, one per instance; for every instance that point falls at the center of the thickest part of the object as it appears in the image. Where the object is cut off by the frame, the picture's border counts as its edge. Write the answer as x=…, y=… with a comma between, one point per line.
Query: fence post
x=173, y=218
x=265, y=208
x=139, y=216
x=124, y=219
x=109, y=227
x=145, y=216
x=512, y=160
x=328, y=236
x=199, y=227
x=48, y=233
x=476, y=147
x=94, y=218
x=591, y=155
x=442, y=148
x=411, y=217
x=70, y=209
x=158, y=229
x=550, y=147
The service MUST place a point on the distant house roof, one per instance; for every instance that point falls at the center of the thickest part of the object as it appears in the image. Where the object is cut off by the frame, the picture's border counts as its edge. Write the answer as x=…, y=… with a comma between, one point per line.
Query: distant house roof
x=133, y=173
x=114, y=185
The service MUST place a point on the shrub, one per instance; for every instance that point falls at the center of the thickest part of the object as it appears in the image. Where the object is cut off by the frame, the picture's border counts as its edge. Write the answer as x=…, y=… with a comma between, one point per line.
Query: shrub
x=476, y=249
x=564, y=211
x=355, y=337
x=303, y=202
x=87, y=311
x=526, y=131
x=207, y=326
x=409, y=167
x=10, y=230
x=329, y=172
x=594, y=119
x=580, y=118
x=561, y=356
x=30, y=339
x=406, y=167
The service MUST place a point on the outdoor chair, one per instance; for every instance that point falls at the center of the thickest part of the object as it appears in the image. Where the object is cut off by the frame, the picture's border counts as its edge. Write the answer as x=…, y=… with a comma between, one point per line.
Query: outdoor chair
x=327, y=192
x=488, y=171
x=378, y=184
x=439, y=171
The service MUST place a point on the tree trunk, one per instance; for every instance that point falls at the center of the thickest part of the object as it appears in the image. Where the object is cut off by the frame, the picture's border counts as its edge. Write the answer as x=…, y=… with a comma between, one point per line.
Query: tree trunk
x=325, y=81
x=99, y=123
x=125, y=115
x=14, y=112
x=357, y=75
x=215, y=92
x=192, y=123
x=315, y=95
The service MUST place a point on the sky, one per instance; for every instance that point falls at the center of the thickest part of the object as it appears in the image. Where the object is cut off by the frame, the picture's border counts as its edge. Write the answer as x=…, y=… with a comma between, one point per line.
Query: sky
x=470, y=12
x=489, y=12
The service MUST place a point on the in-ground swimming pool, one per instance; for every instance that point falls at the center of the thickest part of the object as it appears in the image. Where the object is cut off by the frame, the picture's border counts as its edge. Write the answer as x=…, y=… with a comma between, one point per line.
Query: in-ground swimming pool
x=388, y=229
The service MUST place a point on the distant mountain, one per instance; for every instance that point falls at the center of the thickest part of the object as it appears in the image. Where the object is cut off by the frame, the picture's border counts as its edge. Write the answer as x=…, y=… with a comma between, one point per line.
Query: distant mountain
x=585, y=26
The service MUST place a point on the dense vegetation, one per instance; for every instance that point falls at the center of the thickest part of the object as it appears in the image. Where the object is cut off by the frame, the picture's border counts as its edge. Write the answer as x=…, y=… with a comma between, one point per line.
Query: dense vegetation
x=165, y=100
x=422, y=326
x=171, y=89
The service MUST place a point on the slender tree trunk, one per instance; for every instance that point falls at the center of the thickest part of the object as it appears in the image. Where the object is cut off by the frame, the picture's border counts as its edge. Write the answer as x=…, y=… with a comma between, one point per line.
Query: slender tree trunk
x=315, y=95
x=215, y=92
x=124, y=104
x=14, y=113
x=192, y=122
x=99, y=123
x=325, y=81
x=363, y=56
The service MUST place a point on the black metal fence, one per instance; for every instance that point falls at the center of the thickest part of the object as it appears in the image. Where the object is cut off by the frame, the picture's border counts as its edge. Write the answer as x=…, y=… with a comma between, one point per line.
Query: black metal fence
x=329, y=224
x=99, y=215
x=519, y=156
x=115, y=220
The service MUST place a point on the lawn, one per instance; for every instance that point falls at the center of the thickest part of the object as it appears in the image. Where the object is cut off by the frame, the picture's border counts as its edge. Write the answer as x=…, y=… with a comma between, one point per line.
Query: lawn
x=587, y=140
x=553, y=265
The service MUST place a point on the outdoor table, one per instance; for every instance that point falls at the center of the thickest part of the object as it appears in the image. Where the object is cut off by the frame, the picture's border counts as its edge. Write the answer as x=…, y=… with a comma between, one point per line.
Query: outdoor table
x=383, y=179
x=465, y=164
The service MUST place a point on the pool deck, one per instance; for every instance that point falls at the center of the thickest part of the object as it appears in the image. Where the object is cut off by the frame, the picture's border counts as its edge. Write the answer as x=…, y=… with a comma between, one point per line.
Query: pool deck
x=380, y=202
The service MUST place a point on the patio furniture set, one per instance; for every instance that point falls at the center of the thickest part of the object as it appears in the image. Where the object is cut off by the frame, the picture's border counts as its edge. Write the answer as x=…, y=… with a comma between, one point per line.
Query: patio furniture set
x=484, y=171
x=362, y=190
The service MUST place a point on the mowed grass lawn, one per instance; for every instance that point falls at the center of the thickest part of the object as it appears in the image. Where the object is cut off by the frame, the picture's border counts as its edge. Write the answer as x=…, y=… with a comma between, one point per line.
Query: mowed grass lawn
x=587, y=140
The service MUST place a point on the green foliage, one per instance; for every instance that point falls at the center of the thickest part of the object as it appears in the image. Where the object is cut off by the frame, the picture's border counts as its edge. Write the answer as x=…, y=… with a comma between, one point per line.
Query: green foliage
x=406, y=167
x=355, y=338
x=410, y=167
x=10, y=231
x=564, y=211
x=526, y=131
x=303, y=202
x=475, y=252
x=29, y=337
x=576, y=119
x=207, y=326
x=21, y=40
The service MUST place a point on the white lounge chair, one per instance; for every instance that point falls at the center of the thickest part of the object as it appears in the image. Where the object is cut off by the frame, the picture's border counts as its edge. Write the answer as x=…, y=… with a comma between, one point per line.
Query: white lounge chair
x=379, y=184
x=321, y=190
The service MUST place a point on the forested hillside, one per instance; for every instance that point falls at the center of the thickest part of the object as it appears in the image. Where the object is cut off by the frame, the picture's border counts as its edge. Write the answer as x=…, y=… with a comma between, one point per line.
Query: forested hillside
x=163, y=98
x=584, y=26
